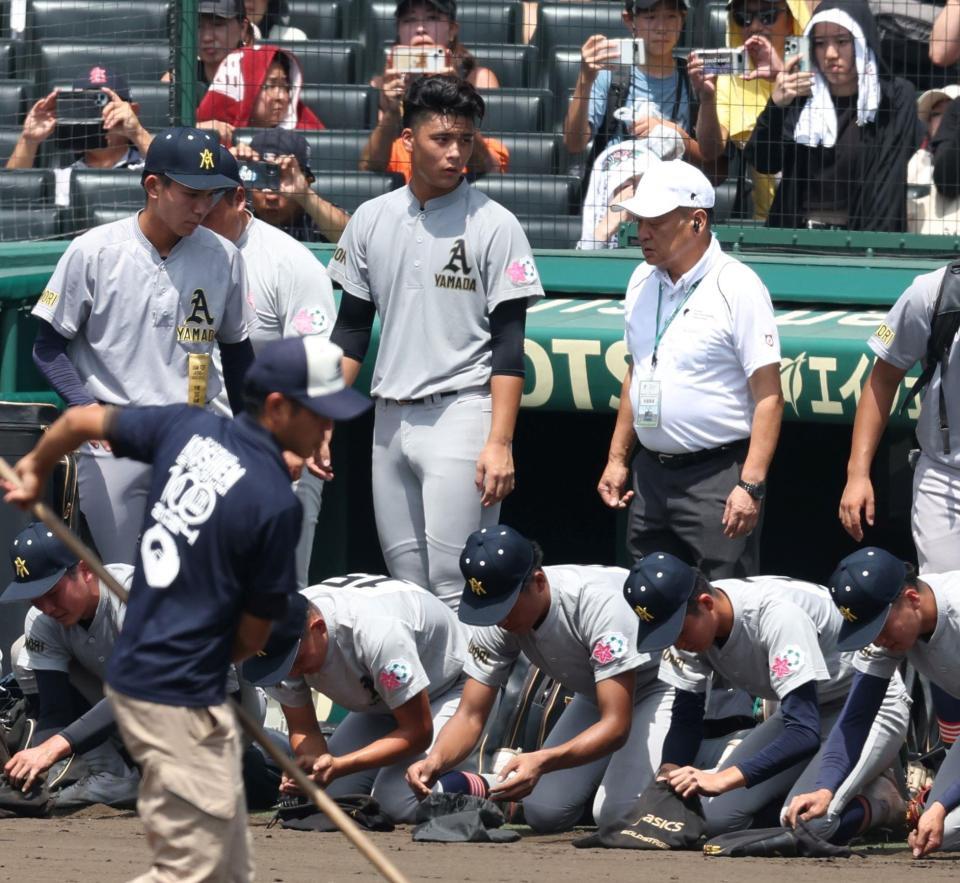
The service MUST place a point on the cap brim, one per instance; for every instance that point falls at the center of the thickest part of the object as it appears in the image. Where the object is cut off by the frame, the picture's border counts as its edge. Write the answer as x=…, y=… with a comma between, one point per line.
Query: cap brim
x=343, y=405
x=473, y=611
x=857, y=635
x=268, y=671
x=651, y=638
x=646, y=208
x=28, y=591
x=199, y=182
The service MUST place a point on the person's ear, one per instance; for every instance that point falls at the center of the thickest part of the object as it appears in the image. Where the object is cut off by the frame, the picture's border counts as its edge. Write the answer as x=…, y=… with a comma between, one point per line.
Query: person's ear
x=406, y=137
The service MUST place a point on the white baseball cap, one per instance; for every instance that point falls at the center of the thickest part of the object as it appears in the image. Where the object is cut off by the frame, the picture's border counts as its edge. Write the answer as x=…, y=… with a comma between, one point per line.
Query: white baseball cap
x=931, y=97
x=667, y=186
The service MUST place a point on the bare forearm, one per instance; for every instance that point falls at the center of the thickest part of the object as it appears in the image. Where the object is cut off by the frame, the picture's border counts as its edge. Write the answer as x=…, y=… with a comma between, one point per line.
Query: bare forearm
x=600, y=740
x=505, y=394
x=351, y=370
x=376, y=152
x=391, y=749
x=24, y=154
x=576, y=125
x=945, y=37
x=330, y=219
x=76, y=426
x=456, y=740
x=711, y=138
x=764, y=433
x=624, y=436
x=873, y=412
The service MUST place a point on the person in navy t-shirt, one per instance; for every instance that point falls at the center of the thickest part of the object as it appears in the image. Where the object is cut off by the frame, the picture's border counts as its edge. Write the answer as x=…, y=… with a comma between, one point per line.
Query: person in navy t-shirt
x=216, y=568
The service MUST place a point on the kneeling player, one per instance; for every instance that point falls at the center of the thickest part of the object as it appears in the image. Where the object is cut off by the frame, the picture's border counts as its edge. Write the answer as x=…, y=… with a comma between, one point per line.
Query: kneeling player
x=777, y=639
x=571, y=622
x=386, y=650
x=904, y=616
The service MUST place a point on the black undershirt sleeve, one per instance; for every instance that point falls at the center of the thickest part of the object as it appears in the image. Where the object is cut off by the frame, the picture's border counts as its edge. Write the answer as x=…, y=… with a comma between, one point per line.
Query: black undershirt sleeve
x=354, y=326
x=237, y=357
x=57, y=701
x=507, y=327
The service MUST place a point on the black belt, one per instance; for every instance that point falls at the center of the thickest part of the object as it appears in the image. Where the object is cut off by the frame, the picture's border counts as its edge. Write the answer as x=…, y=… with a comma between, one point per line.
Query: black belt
x=437, y=397
x=678, y=461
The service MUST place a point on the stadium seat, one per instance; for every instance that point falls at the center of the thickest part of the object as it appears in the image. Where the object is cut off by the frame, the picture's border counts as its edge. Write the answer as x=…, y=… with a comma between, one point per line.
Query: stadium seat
x=343, y=107
x=531, y=152
x=560, y=76
x=28, y=223
x=551, y=231
x=8, y=59
x=569, y=24
x=349, y=189
x=16, y=96
x=518, y=110
x=330, y=151
x=320, y=21
x=92, y=189
x=107, y=214
x=706, y=26
x=26, y=187
x=533, y=194
x=326, y=61
x=126, y=21
x=68, y=60
x=513, y=65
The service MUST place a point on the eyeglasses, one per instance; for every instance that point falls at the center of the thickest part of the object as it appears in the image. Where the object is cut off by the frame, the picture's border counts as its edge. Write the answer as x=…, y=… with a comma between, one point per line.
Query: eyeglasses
x=766, y=17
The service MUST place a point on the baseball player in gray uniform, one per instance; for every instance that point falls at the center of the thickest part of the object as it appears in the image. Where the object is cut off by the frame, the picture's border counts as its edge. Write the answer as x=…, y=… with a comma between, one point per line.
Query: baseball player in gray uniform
x=450, y=274
x=290, y=294
x=68, y=635
x=571, y=622
x=891, y=614
x=899, y=343
x=131, y=315
x=386, y=650
x=776, y=638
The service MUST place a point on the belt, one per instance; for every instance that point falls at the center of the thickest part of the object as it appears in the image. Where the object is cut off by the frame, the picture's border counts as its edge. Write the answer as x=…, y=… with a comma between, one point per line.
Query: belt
x=678, y=461
x=437, y=397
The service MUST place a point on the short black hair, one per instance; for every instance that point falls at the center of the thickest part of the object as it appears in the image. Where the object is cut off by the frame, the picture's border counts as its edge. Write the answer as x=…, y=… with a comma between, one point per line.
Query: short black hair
x=701, y=586
x=443, y=95
x=537, y=561
x=631, y=6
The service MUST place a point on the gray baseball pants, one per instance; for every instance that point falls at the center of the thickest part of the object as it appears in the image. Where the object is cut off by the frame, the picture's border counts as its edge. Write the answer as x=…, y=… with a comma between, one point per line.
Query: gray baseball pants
x=936, y=516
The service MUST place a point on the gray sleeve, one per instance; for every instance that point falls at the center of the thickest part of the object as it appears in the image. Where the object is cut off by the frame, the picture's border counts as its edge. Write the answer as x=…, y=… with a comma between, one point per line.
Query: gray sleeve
x=610, y=634
x=491, y=654
x=509, y=270
x=875, y=661
x=902, y=338
x=794, y=657
x=306, y=298
x=68, y=298
x=390, y=656
x=685, y=671
x=293, y=693
x=43, y=647
x=348, y=266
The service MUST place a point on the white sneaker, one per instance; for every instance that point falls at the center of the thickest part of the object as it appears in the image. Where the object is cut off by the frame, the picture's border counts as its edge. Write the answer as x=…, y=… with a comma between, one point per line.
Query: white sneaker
x=102, y=787
x=888, y=809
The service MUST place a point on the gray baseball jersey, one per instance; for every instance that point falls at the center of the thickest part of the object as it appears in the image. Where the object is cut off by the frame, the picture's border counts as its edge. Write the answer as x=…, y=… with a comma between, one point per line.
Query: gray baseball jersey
x=434, y=274
x=937, y=657
x=589, y=635
x=784, y=635
x=133, y=318
x=902, y=341
x=388, y=640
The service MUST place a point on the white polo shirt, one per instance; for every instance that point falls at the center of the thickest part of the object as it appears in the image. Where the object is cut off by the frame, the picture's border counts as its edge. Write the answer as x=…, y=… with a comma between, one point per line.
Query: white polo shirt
x=722, y=331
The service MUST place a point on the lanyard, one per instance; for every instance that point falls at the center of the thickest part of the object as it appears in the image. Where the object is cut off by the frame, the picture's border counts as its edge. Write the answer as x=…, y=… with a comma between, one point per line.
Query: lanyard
x=661, y=331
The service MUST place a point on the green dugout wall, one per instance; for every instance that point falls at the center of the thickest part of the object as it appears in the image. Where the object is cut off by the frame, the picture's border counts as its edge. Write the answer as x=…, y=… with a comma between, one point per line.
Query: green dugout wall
x=827, y=304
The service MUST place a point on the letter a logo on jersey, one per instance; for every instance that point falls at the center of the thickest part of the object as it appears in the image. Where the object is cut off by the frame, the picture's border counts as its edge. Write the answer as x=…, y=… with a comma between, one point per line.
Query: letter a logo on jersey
x=200, y=311
x=206, y=159
x=458, y=259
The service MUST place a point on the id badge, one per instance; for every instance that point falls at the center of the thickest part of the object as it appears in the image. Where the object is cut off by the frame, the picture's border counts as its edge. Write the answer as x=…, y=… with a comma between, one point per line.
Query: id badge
x=648, y=405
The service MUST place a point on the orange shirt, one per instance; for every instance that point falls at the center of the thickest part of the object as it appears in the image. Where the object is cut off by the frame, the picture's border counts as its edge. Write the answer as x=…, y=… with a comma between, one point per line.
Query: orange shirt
x=400, y=157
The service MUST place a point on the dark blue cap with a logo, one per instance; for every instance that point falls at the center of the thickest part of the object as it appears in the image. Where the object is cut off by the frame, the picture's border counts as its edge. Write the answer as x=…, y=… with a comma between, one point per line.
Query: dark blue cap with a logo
x=273, y=143
x=38, y=560
x=864, y=587
x=657, y=590
x=496, y=563
x=190, y=157
x=273, y=663
x=229, y=166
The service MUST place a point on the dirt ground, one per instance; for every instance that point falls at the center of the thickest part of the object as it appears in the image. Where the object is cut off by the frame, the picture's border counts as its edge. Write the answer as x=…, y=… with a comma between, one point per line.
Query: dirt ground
x=108, y=847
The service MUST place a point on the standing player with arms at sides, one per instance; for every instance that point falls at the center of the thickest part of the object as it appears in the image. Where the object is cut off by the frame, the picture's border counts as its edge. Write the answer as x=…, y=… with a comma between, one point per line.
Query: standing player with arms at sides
x=216, y=568
x=571, y=622
x=451, y=274
x=132, y=314
x=386, y=650
x=776, y=638
x=891, y=614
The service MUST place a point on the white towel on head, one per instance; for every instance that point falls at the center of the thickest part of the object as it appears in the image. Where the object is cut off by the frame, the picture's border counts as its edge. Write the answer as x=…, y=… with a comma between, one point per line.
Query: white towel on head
x=817, y=124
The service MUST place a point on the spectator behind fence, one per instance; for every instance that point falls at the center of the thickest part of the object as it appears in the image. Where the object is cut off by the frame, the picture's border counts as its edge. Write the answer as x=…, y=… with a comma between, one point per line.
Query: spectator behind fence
x=426, y=23
x=126, y=140
x=613, y=101
x=270, y=20
x=928, y=210
x=257, y=87
x=842, y=134
x=295, y=209
x=222, y=26
x=730, y=105
x=946, y=153
x=945, y=37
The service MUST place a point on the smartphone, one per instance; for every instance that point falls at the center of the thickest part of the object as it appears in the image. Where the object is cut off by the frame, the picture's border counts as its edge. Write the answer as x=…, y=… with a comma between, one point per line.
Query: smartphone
x=81, y=105
x=797, y=46
x=631, y=52
x=419, y=59
x=260, y=175
x=723, y=61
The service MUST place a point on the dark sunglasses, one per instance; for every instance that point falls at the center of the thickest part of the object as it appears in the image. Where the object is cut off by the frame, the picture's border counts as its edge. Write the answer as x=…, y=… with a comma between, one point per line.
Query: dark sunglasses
x=766, y=16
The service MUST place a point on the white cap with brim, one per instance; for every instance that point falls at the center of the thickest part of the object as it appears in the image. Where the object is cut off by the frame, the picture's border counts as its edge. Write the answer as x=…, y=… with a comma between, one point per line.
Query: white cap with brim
x=932, y=97
x=667, y=186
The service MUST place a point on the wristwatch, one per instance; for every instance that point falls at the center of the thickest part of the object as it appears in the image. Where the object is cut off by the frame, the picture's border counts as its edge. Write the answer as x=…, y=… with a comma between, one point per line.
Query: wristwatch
x=756, y=490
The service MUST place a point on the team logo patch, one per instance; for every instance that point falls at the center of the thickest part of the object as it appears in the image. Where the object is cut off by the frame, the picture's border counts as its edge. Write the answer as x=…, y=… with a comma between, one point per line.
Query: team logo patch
x=787, y=661
x=310, y=320
x=609, y=648
x=206, y=158
x=394, y=675
x=97, y=76
x=48, y=298
x=522, y=272
x=477, y=587
x=21, y=567
x=848, y=614
x=478, y=653
x=643, y=613
x=885, y=334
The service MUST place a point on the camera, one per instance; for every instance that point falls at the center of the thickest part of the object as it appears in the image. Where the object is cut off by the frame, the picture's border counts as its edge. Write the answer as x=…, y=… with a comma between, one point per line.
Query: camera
x=723, y=61
x=631, y=52
x=797, y=46
x=80, y=119
x=419, y=59
x=260, y=175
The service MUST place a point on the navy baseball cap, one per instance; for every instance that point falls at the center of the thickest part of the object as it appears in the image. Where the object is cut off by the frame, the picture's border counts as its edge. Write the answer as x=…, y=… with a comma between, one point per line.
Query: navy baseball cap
x=99, y=76
x=283, y=142
x=309, y=371
x=222, y=8
x=496, y=563
x=38, y=560
x=272, y=664
x=864, y=587
x=444, y=7
x=229, y=166
x=190, y=157
x=657, y=590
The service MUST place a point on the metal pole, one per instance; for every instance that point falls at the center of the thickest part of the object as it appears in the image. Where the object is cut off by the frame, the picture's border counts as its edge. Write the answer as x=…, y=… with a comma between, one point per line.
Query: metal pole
x=185, y=75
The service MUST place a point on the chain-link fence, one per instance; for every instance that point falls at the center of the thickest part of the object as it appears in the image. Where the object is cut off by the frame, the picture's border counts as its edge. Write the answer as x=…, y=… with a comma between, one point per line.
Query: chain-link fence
x=840, y=116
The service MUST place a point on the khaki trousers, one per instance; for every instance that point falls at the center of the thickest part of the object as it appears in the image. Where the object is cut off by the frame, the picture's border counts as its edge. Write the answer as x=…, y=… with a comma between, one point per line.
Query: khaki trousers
x=191, y=797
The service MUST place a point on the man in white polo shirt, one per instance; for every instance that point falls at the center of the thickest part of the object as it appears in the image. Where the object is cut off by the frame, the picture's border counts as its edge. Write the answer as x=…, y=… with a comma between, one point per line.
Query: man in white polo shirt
x=702, y=391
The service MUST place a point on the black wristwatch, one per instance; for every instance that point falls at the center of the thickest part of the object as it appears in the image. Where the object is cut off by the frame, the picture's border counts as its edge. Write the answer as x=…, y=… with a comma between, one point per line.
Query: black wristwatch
x=758, y=491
